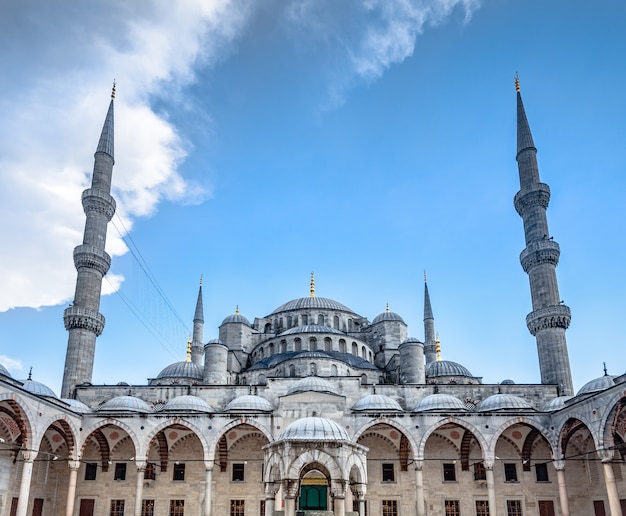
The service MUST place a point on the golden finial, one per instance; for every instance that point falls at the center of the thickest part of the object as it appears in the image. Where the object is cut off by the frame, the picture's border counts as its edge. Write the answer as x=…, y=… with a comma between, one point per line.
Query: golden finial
x=516, y=83
x=113, y=90
x=387, y=309
x=188, y=359
x=237, y=310
x=312, y=285
x=438, y=348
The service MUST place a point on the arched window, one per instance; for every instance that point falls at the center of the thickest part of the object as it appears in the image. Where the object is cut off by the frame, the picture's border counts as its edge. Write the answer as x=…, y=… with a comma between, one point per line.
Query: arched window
x=292, y=370
x=270, y=350
x=333, y=370
x=305, y=320
x=283, y=346
x=336, y=321
x=289, y=322
x=312, y=344
x=313, y=368
x=275, y=325
x=295, y=320
x=350, y=325
x=261, y=354
x=342, y=346
x=355, y=349
x=328, y=344
x=268, y=328
x=370, y=355
x=298, y=343
x=363, y=353
x=320, y=320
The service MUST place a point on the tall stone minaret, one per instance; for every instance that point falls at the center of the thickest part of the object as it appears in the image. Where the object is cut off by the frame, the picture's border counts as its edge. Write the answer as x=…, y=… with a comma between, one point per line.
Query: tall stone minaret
x=429, y=327
x=82, y=319
x=550, y=317
x=197, y=348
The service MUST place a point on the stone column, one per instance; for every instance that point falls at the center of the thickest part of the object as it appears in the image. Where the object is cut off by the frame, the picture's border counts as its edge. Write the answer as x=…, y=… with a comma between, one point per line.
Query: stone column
x=74, y=466
x=339, y=498
x=615, y=508
x=560, y=476
x=290, y=488
x=270, y=498
x=141, y=470
x=491, y=488
x=29, y=457
x=208, y=491
x=358, y=494
x=419, y=489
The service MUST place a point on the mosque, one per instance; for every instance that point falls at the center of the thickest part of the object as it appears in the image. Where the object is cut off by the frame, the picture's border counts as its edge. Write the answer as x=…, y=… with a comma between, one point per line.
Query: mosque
x=315, y=410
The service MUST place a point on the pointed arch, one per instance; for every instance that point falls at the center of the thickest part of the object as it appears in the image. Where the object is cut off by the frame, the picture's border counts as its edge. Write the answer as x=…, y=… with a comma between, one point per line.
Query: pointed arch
x=196, y=430
x=548, y=434
x=309, y=457
x=67, y=428
x=213, y=444
x=482, y=442
x=391, y=422
x=23, y=417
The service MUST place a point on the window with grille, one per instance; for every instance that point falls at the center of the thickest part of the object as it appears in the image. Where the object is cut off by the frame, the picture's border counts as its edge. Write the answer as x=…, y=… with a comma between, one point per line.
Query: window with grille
x=177, y=507
x=510, y=472
x=482, y=508
x=390, y=508
x=120, y=471
x=147, y=508
x=238, y=472
x=150, y=471
x=237, y=507
x=480, y=473
x=514, y=508
x=449, y=472
x=179, y=472
x=452, y=507
x=91, y=469
x=262, y=508
x=117, y=508
x=541, y=472
x=388, y=473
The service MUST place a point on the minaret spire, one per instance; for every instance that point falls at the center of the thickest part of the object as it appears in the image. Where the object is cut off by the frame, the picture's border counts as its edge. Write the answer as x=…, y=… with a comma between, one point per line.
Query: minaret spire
x=550, y=317
x=197, y=348
x=429, y=327
x=82, y=319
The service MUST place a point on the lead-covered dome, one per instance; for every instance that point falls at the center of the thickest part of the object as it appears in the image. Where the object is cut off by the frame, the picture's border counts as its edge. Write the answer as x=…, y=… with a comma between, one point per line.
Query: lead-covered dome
x=249, y=403
x=38, y=388
x=4, y=371
x=387, y=316
x=314, y=429
x=378, y=402
x=307, y=303
x=76, y=406
x=312, y=383
x=446, y=368
x=182, y=371
x=503, y=402
x=439, y=401
x=557, y=403
x=236, y=318
x=125, y=404
x=598, y=384
x=186, y=403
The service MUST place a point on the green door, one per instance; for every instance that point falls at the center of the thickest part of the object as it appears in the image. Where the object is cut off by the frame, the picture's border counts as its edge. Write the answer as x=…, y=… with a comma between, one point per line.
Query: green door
x=313, y=498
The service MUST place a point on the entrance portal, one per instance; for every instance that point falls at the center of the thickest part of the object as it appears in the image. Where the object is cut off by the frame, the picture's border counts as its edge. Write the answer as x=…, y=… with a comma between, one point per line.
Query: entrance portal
x=313, y=492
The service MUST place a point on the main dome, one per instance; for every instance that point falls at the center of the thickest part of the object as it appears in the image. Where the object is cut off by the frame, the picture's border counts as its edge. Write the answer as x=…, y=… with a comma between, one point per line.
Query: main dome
x=314, y=429
x=305, y=303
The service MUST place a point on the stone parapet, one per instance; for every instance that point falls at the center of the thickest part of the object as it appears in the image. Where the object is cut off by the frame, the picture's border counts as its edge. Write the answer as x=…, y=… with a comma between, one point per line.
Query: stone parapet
x=83, y=318
x=555, y=316
x=537, y=253
x=91, y=257
x=526, y=199
x=95, y=199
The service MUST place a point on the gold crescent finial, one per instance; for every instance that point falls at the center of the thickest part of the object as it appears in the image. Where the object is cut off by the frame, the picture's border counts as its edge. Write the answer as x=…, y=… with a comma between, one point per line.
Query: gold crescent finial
x=113, y=90
x=516, y=83
x=387, y=309
x=188, y=359
x=438, y=348
x=237, y=310
x=312, y=294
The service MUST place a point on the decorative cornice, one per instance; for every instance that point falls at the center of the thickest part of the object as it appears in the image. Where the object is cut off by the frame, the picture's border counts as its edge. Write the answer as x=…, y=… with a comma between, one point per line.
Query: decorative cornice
x=537, y=253
x=538, y=196
x=91, y=257
x=83, y=318
x=555, y=316
x=95, y=199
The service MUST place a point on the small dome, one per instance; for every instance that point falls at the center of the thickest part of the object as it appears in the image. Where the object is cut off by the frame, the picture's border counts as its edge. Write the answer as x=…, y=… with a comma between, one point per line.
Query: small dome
x=76, y=406
x=507, y=382
x=125, y=403
x=312, y=383
x=4, y=371
x=186, y=403
x=446, y=368
x=556, y=404
x=599, y=384
x=236, y=318
x=377, y=402
x=439, y=402
x=216, y=341
x=38, y=389
x=311, y=303
x=249, y=402
x=314, y=429
x=503, y=402
x=412, y=340
x=188, y=370
x=312, y=328
x=122, y=384
x=387, y=316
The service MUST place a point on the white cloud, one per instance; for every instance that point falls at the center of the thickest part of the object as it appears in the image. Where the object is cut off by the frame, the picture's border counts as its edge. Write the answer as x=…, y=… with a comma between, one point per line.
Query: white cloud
x=54, y=108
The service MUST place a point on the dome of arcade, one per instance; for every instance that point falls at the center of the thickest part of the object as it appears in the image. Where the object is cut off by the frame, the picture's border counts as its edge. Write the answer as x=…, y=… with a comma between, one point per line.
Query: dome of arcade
x=37, y=388
x=556, y=404
x=314, y=429
x=387, y=316
x=446, y=368
x=4, y=371
x=126, y=404
x=311, y=303
x=186, y=403
x=182, y=370
x=377, y=402
x=503, y=402
x=249, y=403
x=598, y=384
x=439, y=402
x=312, y=384
x=76, y=406
x=507, y=382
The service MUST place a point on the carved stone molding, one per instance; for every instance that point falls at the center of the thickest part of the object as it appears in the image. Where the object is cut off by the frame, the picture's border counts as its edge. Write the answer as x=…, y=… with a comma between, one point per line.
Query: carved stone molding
x=555, y=316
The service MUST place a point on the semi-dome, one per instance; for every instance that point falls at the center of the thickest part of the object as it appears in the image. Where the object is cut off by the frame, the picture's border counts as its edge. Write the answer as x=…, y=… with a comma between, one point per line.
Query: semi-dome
x=314, y=429
x=387, y=316
x=446, y=368
x=312, y=383
x=439, y=401
x=598, y=384
x=38, y=388
x=377, y=402
x=76, y=406
x=503, y=402
x=306, y=303
x=556, y=404
x=312, y=328
x=182, y=370
x=186, y=403
x=249, y=402
x=125, y=403
x=4, y=371
x=236, y=318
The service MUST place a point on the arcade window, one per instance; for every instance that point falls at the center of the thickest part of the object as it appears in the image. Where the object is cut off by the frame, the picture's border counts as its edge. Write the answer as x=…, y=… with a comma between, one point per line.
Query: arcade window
x=147, y=508
x=177, y=507
x=452, y=507
x=179, y=472
x=150, y=471
x=238, y=472
x=91, y=469
x=541, y=472
x=482, y=508
x=510, y=472
x=237, y=507
x=480, y=472
x=262, y=508
x=117, y=508
x=449, y=472
x=120, y=471
x=388, y=473
x=514, y=508
x=390, y=508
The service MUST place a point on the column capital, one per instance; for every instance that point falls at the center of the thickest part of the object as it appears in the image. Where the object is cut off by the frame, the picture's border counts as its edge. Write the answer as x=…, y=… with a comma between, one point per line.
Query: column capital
x=74, y=465
x=559, y=465
x=29, y=455
x=419, y=464
x=606, y=455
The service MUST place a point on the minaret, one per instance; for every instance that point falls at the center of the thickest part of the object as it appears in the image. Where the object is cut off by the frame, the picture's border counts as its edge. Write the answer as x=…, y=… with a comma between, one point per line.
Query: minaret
x=550, y=317
x=197, y=348
x=82, y=319
x=429, y=327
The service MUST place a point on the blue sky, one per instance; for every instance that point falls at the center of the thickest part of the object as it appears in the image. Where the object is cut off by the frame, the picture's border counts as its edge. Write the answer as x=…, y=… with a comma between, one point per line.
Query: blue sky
x=365, y=141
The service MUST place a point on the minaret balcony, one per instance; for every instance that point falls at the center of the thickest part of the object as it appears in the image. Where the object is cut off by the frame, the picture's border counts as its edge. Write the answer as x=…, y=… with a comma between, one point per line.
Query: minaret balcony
x=91, y=257
x=97, y=200
x=83, y=318
x=537, y=253
x=539, y=195
x=555, y=316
